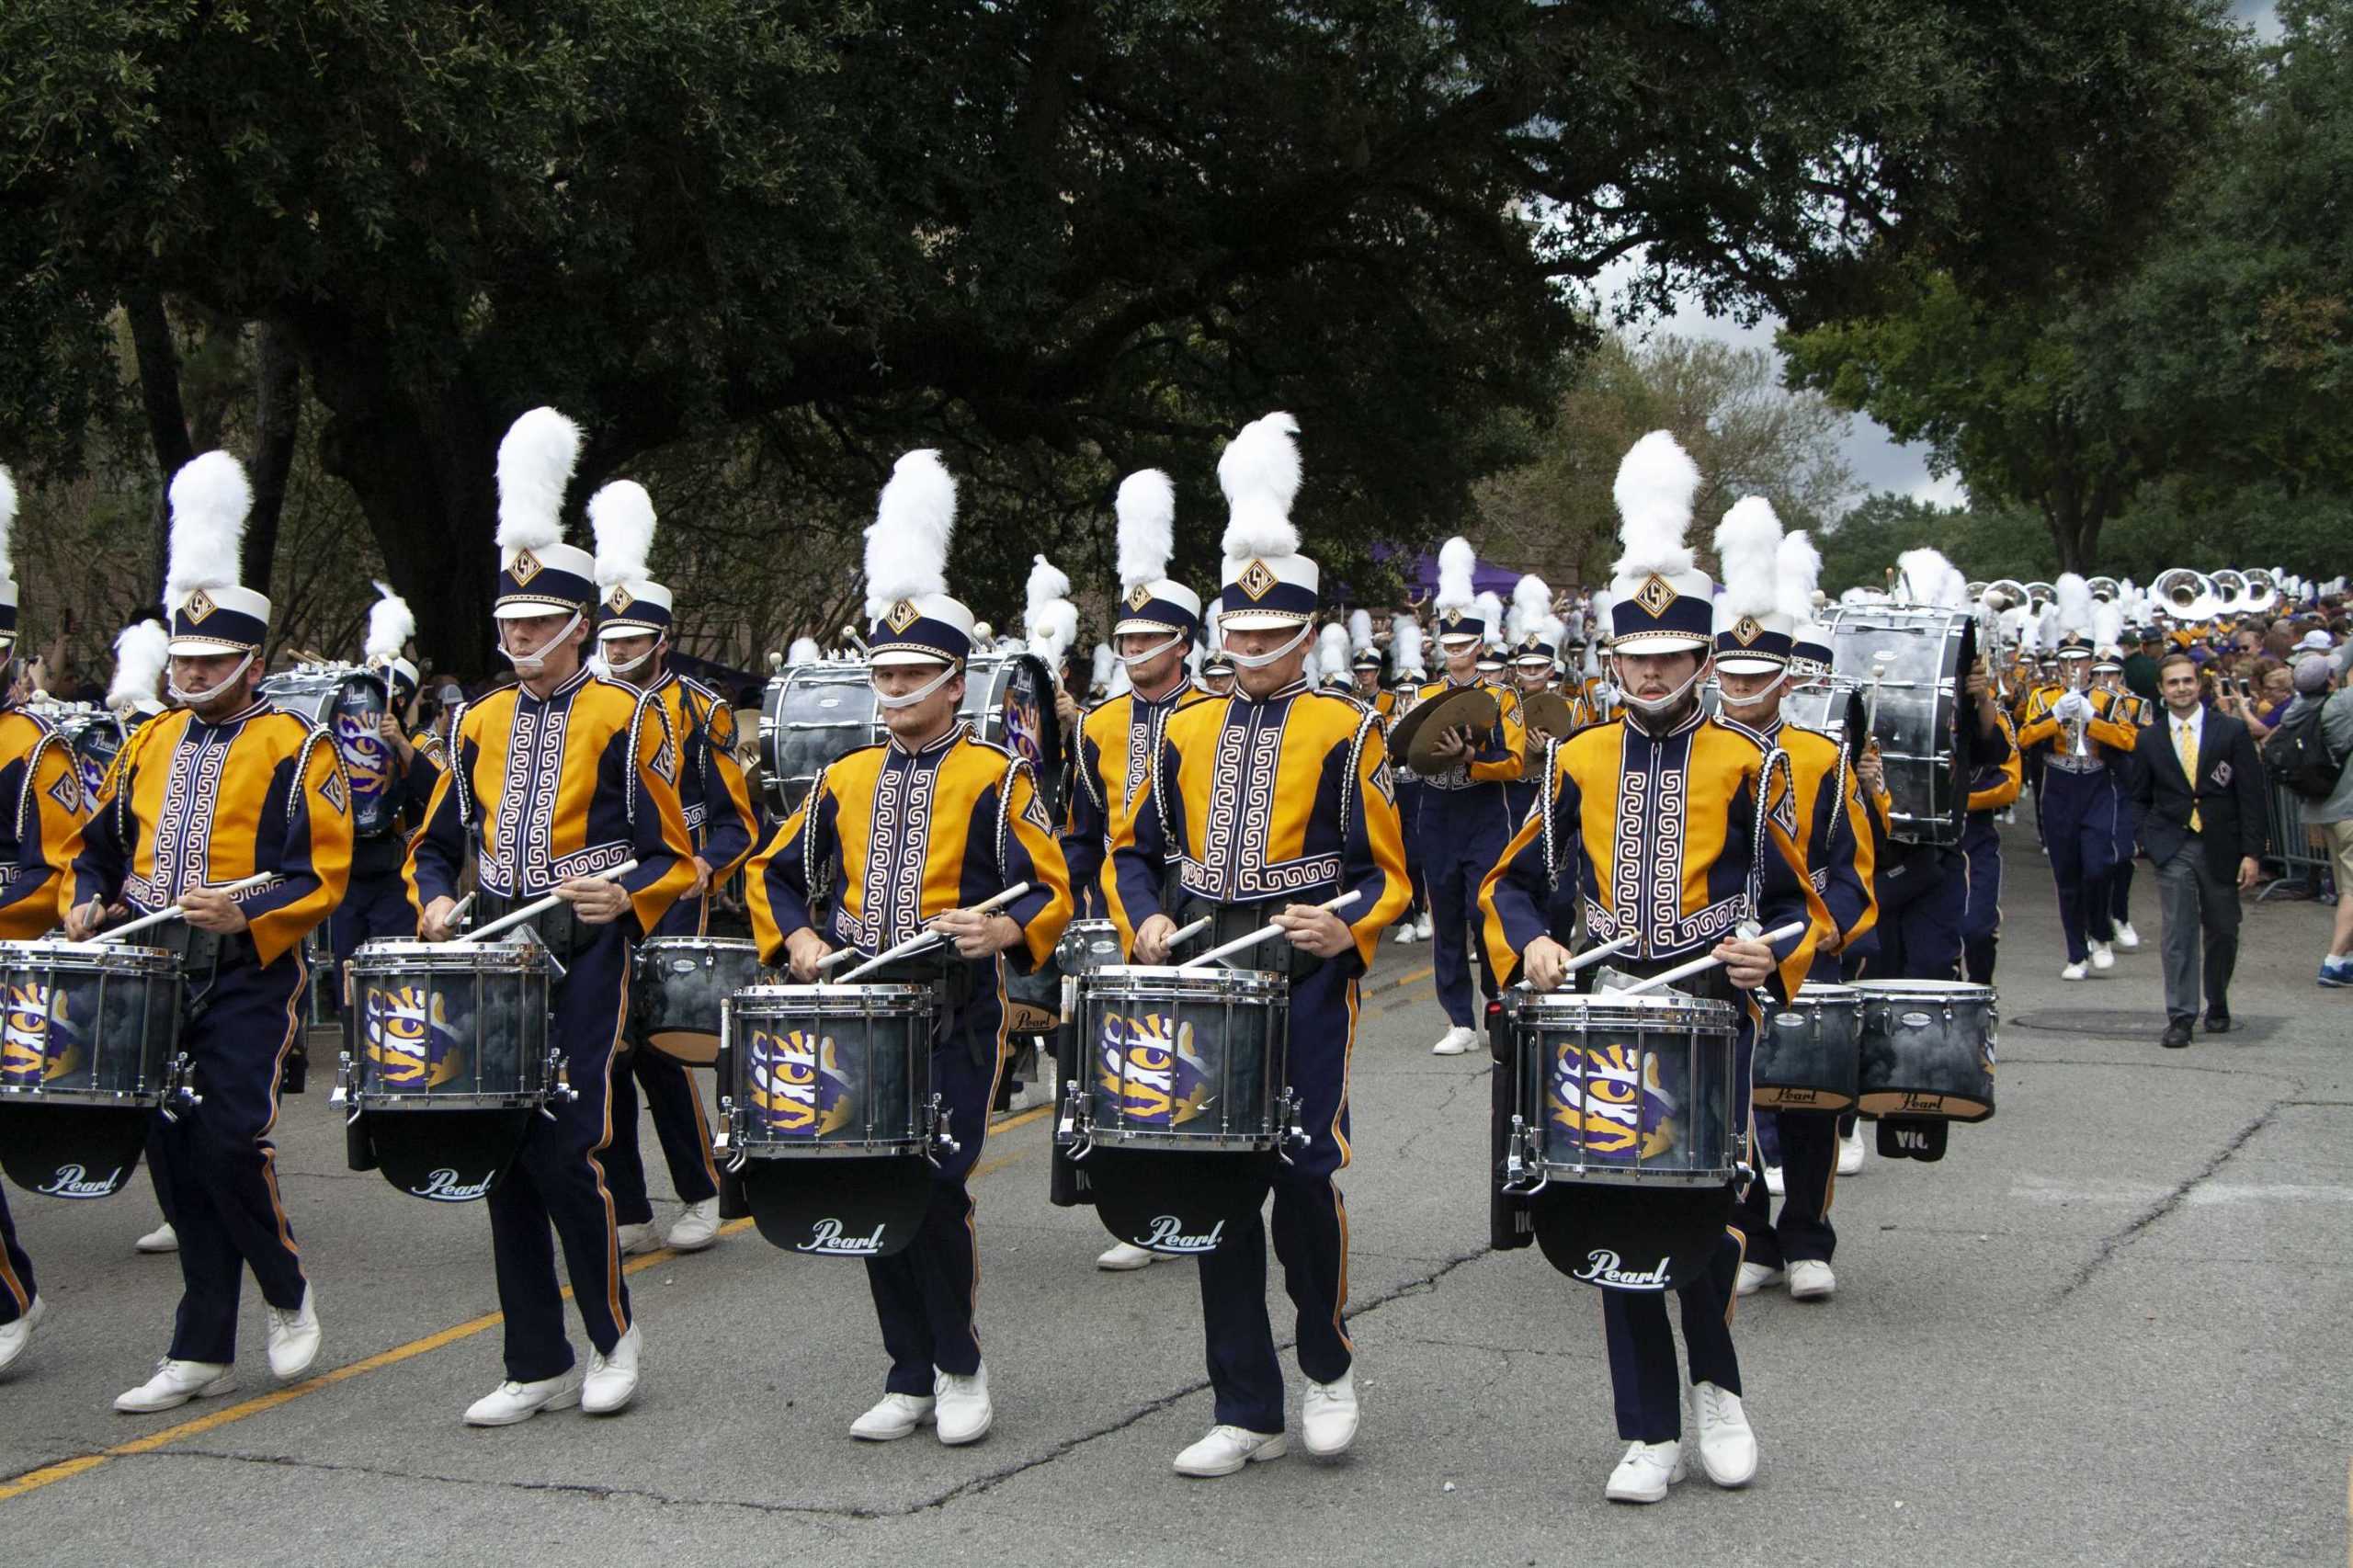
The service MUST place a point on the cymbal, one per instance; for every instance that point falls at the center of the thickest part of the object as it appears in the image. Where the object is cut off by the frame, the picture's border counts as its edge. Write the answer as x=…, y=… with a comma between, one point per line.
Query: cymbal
x=1415, y=738
x=1548, y=713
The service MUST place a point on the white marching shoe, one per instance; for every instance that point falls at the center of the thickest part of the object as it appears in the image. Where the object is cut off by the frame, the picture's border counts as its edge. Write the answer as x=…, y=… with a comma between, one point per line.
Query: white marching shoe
x=1122, y=1256
x=1645, y=1473
x=1408, y=932
x=1774, y=1181
x=177, y=1382
x=2126, y=937
x=611, y=1382
x=1851, y=1151
x=2103, y=956
x=2074, y=972
x=1227, y=1449
x=1756, y=1277
x=1422, y=928
x=512, y=1401
x=696, y=1228
x=893, y=1417
x=962, y=1406
x=1456, y=1042
x=1727, y=1447
x=293, y=1338
x=1327, y=1422
x=1810, y=1280
x=163, y=1238
x=637, y=1240
x=14, y=1337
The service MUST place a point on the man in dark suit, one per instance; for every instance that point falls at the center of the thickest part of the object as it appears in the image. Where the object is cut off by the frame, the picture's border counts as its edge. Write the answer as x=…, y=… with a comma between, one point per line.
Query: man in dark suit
x=2198, y=785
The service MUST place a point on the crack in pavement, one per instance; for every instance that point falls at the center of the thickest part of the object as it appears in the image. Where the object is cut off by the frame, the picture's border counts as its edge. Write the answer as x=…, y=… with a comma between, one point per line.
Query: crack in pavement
x=1430, y=1122
x=2111, y=1246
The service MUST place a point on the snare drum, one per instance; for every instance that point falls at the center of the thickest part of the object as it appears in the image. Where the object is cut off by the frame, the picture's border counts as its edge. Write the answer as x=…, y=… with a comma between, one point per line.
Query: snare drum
x=1809, y=1055
x=687, y=982
x=1624, y=1090
x=1928, y=1049
x=90, y=1049
x=828, y=1071
x=1183, y=1059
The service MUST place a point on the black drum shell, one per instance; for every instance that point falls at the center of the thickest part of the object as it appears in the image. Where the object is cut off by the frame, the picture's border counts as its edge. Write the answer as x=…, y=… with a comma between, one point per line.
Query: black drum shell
x=1809, y=1055
x=683, y=983
x=1927, y=1050
x=1186, y=1060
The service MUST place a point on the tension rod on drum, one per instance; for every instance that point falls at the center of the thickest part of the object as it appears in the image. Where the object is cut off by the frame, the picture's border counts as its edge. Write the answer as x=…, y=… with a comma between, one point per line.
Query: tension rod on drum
x=1261, y=934
x=1699, y=966
x=915, y=944
x=1588, y=958
x=177, y=911
x=539, y=906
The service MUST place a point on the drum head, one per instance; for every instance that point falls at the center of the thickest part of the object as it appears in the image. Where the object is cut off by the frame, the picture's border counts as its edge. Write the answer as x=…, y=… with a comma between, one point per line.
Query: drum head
x=1632, y=1238
x=838, y=1208
x=444, y=1156
x=71, y=1151
x=1175, y=1202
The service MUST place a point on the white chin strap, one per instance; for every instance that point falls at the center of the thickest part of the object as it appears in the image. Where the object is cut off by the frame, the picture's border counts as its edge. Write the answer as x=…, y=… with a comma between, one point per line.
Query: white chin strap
x=634, y=665
x=1260, y=661
x=532, y=664
x=910, y=699
x=1652, y=707
x=1137, y=661
x=198, y=698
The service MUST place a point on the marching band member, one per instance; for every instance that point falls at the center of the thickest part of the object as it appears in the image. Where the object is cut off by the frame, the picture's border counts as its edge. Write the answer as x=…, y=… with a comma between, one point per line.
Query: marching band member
x=1260, y=807
x=903, y=836
x=1757, y=620
x=40, y=777
x=2128, y=709
x=225, y=789
x=1648, y=820
x=1534, y=637
x=1160, y=621
x=2075, y=731
x=1466, y=810
x=1994, y=787
x=633, y=634
x=552, y=781
x=375, y=902
x=1405, y=645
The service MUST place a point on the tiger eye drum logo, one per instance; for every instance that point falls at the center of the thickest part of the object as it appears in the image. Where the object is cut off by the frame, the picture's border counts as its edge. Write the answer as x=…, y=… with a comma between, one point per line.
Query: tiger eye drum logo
x=38, y=1044
x=798, y=1089
x=1150, y=1065
x=1608, y=1097
x=365, y=756
x=408, y=1039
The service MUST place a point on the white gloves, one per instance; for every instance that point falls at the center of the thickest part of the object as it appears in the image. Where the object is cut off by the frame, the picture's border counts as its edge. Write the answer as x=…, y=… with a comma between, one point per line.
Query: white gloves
x=2072, y=706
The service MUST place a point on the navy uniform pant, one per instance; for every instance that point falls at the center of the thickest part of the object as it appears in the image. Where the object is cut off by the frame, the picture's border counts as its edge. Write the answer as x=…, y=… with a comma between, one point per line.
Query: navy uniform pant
x=1804, y=1143
x=924, y=1294
x=676, y=1100
x=2079, y=829
x=17, y=1287
x=1409, y=817
x=1981, y=923
x=215, y=1163
x=1463, y=835
x=1921, y=915
x=556, y=1188
x=1310, y=1228
x=1643, y=1383
x=2126, y=839
x=373, y=907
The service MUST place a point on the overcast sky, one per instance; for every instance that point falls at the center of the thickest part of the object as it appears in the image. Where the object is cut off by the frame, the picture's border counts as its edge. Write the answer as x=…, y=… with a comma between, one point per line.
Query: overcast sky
x=1880, y=462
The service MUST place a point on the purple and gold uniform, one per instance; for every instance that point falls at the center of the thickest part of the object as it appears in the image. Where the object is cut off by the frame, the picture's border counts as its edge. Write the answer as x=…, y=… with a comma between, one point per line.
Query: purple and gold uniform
x=886, y=839
x=189, y=804
x=1251, y=804
x=539, y=791
x=2078, y=809
x=1467, y=817
x=1116, y=742
x=1992, y=787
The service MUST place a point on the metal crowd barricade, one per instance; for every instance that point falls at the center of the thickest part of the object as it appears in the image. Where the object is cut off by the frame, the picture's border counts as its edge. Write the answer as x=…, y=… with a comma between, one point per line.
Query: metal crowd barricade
x=2288, y=844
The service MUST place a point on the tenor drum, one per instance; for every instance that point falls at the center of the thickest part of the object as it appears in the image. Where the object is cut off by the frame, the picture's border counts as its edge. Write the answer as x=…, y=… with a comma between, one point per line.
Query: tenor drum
x=1909, y=666
x=349, y=703
x=1928, y=1049
x=1809, y=1054
x=686, y=981
x=448, y=1059
x=90, y=1052
x=95, y=735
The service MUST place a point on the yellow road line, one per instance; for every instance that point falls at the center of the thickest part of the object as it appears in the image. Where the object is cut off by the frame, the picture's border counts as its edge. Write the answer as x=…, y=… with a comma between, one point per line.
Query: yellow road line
x=65, y=1469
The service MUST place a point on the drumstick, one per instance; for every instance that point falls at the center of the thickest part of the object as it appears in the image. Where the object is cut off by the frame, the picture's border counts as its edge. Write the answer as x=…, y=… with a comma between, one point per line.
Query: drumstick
x=920, y=940
x=1186, y=933
x=463, y=904
x=1588, y=958
x=177, y=910
x=537, y=906
x=1686, y=970
x=1261, y=935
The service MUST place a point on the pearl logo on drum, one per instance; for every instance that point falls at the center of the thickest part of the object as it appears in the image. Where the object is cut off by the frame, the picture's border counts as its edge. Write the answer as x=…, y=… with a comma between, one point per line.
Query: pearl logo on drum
x=73, y=1181
x=443, y=1187
x=826, y=1236
x=1167, y=1234
x=1602, y=1269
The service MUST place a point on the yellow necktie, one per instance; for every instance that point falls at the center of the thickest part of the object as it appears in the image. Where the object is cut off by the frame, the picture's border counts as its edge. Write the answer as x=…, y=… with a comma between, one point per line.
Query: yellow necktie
x=2185, y=746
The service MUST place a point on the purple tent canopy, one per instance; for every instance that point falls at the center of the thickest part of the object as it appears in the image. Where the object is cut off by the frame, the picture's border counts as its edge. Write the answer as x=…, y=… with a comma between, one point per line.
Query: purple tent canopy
x=1420, y=575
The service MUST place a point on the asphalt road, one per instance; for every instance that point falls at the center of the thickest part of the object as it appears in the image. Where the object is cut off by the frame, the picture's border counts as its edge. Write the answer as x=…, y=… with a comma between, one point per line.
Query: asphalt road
x=2110, y=1327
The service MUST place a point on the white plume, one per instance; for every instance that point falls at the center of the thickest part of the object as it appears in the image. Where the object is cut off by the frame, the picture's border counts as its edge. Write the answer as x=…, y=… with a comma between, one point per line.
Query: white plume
x=390, y=623
x=1531, y=606
x=1053, y=629
x=906, y=545
x=1491, y=611
x=535, y=463
x=2074, y=605
x=7, y=523
x=210, y=500
x=1656, y=482
x=804, y=651
x=1048, y=583
x=1405, y=644
x=2108, y=625
x=1920, y=577
x=1332, y=650
x=1797, y=571
x=1360, y=629
x=140, y=653
x=1120, y=685
x=1259, y=474
x=1099, y=673
x=1147, y=508
x=622, y=514
x=1748, y=545
x=1456, y=560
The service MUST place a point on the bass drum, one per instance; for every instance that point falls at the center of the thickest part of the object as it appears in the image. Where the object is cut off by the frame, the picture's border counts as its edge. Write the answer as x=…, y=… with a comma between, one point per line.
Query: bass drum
x=1908, y=664
x=349, y=704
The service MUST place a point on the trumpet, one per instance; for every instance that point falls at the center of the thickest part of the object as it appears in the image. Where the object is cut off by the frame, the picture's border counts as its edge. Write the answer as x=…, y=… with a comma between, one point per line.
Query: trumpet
x=2078, y=676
